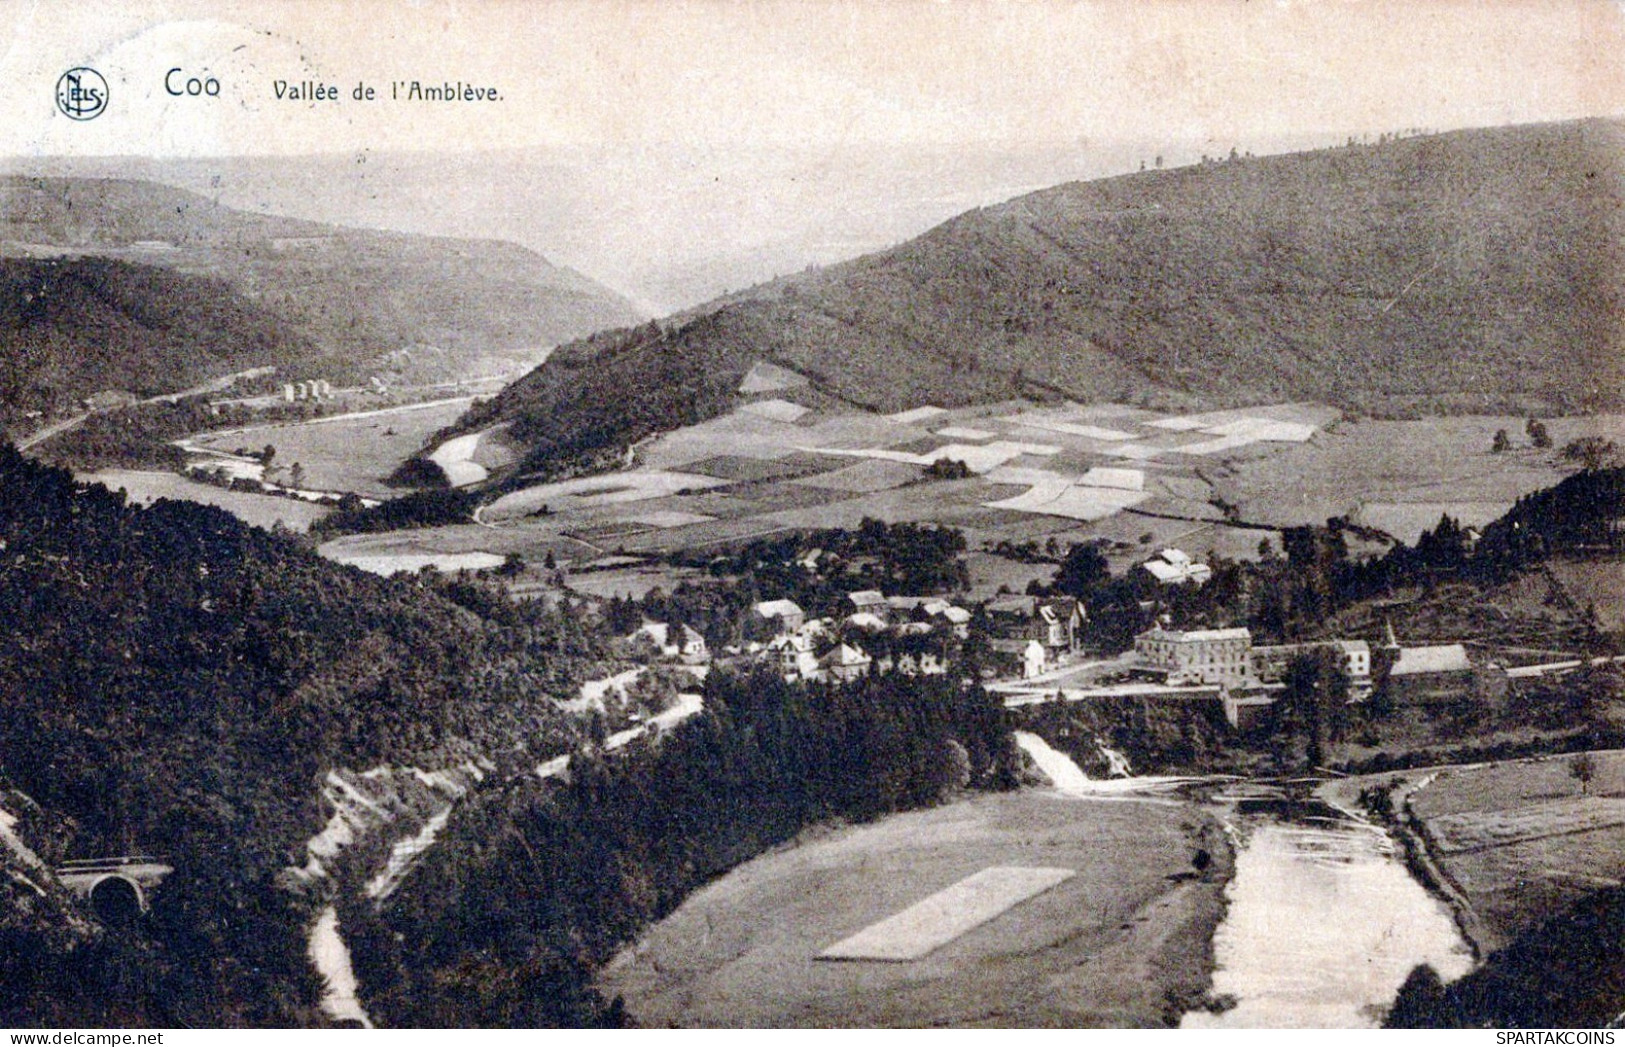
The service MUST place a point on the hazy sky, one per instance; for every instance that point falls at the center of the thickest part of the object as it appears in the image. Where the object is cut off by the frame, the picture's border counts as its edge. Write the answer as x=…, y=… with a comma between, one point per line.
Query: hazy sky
x=667, y=104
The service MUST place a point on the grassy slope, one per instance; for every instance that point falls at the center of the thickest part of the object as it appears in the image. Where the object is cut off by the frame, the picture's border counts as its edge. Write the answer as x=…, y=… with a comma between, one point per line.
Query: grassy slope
x=1447, y=272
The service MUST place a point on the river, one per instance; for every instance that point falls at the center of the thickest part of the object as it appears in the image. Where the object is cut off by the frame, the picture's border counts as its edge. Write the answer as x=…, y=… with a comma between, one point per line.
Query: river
x=1324, y=924
x=1324, y=920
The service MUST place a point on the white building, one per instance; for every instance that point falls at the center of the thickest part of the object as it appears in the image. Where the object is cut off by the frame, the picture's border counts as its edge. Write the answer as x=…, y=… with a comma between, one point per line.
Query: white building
x=1175, y=567
x=1209, y=655
x=785, y=613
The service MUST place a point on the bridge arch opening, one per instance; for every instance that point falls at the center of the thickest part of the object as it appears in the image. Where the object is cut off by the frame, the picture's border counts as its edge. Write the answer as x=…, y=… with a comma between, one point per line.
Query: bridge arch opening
x=116, y=900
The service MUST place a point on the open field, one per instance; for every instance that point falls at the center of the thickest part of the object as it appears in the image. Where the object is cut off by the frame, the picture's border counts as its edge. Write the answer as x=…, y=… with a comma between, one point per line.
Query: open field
x=1435, y=463
x=1597, y=586
x=957, y=909
x=261, y=510
x=346, y=453
x=1520, y=839
x=1124, y=941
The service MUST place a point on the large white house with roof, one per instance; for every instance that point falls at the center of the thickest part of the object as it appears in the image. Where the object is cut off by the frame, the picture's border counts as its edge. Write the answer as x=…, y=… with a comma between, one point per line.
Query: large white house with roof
x=1208, y=655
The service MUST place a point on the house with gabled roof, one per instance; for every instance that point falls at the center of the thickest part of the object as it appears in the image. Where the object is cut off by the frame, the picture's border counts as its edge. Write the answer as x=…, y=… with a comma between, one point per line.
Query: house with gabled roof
x=787, y=614
x=844, y=663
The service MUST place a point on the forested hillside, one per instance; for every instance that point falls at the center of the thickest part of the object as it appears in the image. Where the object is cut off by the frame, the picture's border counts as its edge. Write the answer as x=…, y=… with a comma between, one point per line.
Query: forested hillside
x=1450, y=272
x=539, y=885
x=178, y=683
x=76, y=326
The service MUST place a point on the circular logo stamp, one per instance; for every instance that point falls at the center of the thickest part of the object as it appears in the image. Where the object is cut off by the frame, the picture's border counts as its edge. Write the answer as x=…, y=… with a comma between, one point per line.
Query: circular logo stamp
x=81, y=94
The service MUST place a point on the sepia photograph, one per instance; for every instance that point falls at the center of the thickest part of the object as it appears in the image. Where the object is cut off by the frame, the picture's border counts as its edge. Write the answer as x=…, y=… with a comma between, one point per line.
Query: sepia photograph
x=812, y=514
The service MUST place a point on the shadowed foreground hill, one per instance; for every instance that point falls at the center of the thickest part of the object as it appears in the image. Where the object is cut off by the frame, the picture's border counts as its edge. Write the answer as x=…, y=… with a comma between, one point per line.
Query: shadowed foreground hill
x=1441, y=273
x=179, y=683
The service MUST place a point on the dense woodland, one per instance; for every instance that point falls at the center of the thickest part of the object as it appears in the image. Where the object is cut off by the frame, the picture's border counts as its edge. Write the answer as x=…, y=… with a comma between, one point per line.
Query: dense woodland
x=1566, y=974
x=181, y=685
x=78, y=326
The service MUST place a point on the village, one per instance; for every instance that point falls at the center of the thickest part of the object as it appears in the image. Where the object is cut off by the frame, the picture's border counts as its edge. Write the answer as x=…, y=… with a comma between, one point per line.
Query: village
x=1030, y=649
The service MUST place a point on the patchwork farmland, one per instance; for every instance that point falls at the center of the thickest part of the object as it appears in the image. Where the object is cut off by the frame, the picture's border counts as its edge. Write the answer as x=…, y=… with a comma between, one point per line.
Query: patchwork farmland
x=1213, y=483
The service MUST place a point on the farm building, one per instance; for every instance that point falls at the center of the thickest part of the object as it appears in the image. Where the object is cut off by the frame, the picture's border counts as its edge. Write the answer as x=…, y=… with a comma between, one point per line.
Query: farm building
x=1269, y=664
x=1060, y=621
x=681, y=642
x=869, y=601
x=1028, y=657
x=1175, y=567
x=1053, y=623
x=1425, y=675
x=843, y=663
x=795, y=657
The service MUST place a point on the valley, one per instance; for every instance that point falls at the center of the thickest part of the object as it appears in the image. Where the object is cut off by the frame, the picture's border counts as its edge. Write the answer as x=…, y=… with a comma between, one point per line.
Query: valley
x=1030, y=624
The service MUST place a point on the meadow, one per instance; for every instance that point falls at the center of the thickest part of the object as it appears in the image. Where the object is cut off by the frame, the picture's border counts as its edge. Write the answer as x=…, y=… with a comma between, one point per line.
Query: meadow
x=1123, y=941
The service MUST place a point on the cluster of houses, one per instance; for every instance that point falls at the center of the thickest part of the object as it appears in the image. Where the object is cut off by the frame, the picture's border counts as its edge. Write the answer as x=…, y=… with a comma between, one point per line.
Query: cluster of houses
x=879, y=633
x=1029, y=634
x=1249, y=677
x=798, y=640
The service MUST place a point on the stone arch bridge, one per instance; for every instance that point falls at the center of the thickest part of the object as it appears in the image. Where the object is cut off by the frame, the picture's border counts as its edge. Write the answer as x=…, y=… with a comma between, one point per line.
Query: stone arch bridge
x=118, y=889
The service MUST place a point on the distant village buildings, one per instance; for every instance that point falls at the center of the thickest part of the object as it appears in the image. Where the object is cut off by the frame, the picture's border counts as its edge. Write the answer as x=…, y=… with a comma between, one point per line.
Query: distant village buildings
x=1269, y=663
x=825, y=649
x=1249, y=679
x=1054, y=623
x=785, y=614
x=317, y=389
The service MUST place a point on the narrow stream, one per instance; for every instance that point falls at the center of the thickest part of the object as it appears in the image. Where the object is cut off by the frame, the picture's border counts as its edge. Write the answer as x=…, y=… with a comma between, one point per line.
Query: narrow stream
x=332, y=958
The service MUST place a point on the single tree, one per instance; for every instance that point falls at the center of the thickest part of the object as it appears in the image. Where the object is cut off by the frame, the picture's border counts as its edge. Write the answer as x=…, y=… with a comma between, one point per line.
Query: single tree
x=1583, y=768
x=1502, y=441
x=1084, y=568
x=1536, y=429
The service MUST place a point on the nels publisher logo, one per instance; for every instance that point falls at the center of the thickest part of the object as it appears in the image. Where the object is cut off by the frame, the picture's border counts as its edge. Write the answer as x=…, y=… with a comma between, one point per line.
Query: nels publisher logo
x=81, y=94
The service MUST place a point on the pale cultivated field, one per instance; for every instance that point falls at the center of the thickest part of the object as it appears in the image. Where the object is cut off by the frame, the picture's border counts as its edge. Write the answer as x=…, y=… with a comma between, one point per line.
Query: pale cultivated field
x=346, y=454
x=260, y=510
x=634, y=485
x=865, y=477
x=1598, y=586
x=1437, y=460
x=745, y=476
x=395, y=563
x=1116, y=944
x=935, y=921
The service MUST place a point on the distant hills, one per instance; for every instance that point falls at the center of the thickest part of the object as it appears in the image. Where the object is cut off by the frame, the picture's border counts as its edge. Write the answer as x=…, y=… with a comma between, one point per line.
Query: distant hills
x=203, y=287
x=1462, y=271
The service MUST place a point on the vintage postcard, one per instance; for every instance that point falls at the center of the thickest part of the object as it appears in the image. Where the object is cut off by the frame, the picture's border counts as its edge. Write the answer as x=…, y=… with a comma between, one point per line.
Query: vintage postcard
x=812, y=514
